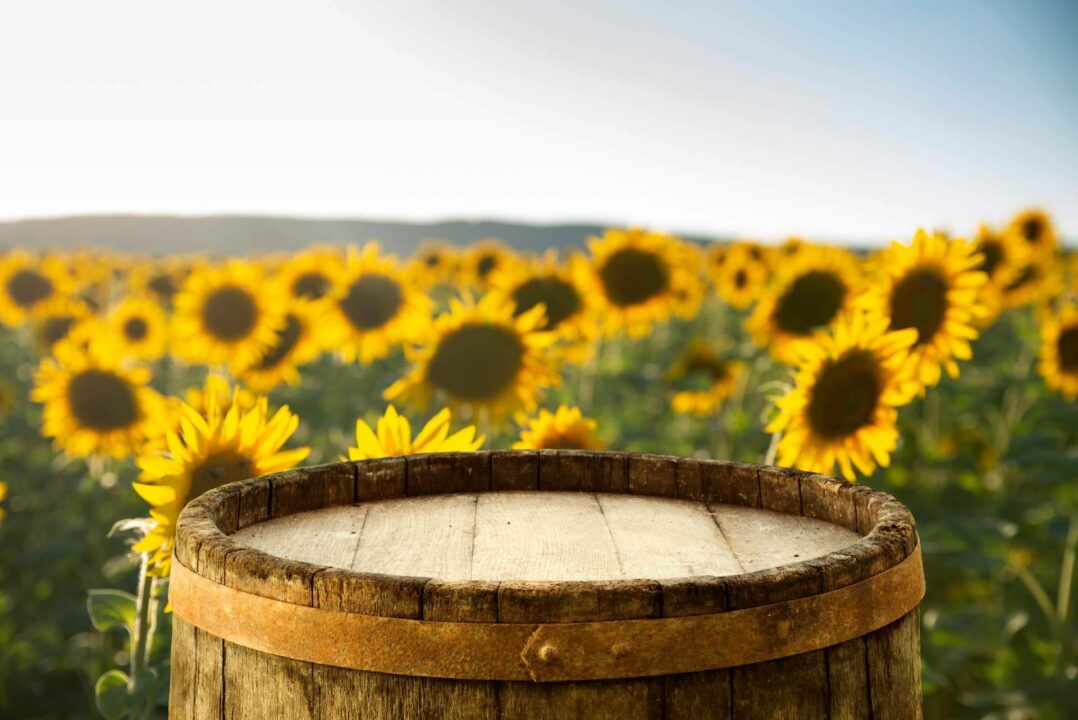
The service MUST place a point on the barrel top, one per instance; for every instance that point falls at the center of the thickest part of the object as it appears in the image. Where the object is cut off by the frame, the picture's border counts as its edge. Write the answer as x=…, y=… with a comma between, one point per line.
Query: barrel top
x=525, y=536
x=546, y=536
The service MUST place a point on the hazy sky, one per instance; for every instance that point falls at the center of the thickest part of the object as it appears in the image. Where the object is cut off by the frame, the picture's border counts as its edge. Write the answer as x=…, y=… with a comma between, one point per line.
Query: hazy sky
x=833, y=119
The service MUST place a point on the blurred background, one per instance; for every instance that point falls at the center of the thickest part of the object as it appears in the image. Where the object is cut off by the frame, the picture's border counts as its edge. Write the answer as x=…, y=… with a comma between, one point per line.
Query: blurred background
x=162, y=165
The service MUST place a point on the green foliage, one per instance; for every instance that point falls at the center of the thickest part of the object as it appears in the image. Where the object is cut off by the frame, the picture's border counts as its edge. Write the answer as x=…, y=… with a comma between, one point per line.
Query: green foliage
x=112, y=610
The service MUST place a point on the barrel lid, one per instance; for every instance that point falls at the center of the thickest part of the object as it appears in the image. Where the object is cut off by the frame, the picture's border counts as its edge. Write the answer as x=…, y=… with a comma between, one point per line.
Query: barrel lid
x=546, y=536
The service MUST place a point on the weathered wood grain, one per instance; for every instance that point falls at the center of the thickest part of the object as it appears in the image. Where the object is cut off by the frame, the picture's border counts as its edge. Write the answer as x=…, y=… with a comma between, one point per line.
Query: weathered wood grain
x=704, y=536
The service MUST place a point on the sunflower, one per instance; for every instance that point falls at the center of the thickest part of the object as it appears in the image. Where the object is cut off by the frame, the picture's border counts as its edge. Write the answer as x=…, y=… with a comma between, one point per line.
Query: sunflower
x=394, y=437
x=843, y=406
x=741, y=275
x=562, y=289
x=308, y=275
x=482, y=357
x=160, y=278
x=3, y=496
x=56, y=319
x=933, y=286
x=1034, y=229
x=1039, y=280
x=374, y=308
x=226, y=314
x=807, y=296
x=564, y=429
x=434, y=263
x=225, y=444
x=27, y=283
x=1003, y=260
x=481, y=260
x=93, y=405
x=296, y=344
x=139, y=328
x=643, y=277
x=1059, y=350
x=702, y=379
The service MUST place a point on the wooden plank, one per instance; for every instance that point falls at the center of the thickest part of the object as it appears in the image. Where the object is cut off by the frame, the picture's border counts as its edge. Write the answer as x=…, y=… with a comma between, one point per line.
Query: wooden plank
x=828, y=499
x=379, y=479
x=442, y=473
x=542, y=536
x=184, y=671
x=426, y=537
x=653, y=475
x=658, y=538
x=517, y=470
x=356, y=694
x=780, y=490
x=731, y=483
x=295, y=491
x=327, y=537
x=847, y=680
x=701, y=695
x=761, y=539
x=459, y=699
x=793, y=688
x=611, y=700
x=209, y=684
x=894, y=670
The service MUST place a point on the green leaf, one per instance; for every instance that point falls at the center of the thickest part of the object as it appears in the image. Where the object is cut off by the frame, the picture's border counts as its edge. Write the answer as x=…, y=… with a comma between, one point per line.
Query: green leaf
x=111, y=610
x=111, y=695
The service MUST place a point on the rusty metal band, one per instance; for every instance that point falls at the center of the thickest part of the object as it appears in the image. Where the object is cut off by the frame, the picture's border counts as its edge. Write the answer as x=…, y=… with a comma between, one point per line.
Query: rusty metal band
x=548, y=652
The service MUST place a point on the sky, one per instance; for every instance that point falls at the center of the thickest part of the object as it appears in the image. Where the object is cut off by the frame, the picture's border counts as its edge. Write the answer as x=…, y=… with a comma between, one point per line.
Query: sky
x=833, y=120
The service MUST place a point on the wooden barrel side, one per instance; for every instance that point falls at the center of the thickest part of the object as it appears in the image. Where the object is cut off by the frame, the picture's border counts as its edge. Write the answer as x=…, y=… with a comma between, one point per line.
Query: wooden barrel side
x=212, y=678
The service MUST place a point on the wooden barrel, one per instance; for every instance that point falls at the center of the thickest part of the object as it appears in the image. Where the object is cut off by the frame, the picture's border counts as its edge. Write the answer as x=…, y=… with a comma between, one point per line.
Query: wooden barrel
x=551, y=584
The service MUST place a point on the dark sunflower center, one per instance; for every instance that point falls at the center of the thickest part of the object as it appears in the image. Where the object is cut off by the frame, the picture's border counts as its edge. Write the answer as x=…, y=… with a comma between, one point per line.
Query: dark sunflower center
x=700, y=373
x=101, y=400
x=286, y=340
x=810, y=302
x=632, y=276
x=55, y=329
x=561, y=441
x=312, y=286
x=28, y=288
x=163, y=286
x=993, y=255
x=432, y=260
x=919, y=301
x=229, y=313
x=486, y=264
x=560, y=297
x=476, y=362
x=740, y=279
x=846, y=394
x=136, y=329
x=1033, y=230
x=1067, y=345
x=1028, y=275
x=372, y=301
x=219, y=469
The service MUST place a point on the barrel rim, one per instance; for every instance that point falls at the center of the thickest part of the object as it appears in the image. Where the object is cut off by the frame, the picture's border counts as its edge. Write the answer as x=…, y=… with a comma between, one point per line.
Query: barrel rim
x=887, y=530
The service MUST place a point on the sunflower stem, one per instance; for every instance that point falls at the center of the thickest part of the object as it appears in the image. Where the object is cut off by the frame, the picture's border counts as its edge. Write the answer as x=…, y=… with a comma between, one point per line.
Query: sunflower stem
x=773, y=448
x=142, y=630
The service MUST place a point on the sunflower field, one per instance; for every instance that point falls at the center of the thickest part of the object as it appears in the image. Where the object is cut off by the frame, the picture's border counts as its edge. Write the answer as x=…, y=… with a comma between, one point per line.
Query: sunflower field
x=941, y=369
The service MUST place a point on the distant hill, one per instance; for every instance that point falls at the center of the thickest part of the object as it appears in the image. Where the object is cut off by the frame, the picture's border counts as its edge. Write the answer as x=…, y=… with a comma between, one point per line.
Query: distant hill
x=225, y=234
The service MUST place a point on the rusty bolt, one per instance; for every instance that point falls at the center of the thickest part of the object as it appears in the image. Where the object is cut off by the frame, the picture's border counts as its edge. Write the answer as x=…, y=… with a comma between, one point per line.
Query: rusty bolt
x=547, y=653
